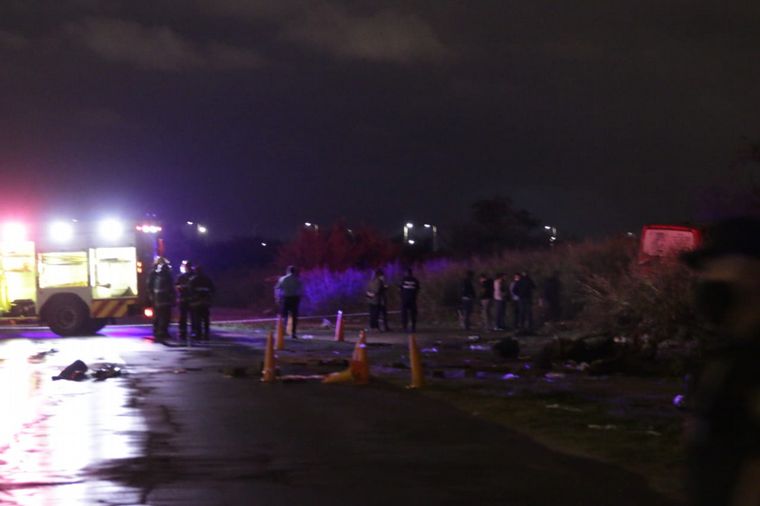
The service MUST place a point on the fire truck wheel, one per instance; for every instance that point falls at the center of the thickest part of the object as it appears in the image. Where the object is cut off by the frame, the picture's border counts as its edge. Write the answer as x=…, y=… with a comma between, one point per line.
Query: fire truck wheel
x=97, y=324
x=67, y=316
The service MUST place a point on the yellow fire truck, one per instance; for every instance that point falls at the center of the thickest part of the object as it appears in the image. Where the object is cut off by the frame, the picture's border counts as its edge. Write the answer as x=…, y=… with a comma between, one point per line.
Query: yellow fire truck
x=76, y=277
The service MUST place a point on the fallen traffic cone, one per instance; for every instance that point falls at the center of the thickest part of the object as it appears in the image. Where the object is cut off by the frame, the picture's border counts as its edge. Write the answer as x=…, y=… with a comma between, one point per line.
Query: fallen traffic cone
x=339, y=327
x=418, y=380
x=280, y=342
x=358, y=369
x=268, y=372
x=359, y=364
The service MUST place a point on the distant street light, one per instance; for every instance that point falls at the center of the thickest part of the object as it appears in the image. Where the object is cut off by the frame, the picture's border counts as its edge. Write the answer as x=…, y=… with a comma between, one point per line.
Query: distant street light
x=311, y=225
x=552, y=231
x=410, y=241
x=202, y=229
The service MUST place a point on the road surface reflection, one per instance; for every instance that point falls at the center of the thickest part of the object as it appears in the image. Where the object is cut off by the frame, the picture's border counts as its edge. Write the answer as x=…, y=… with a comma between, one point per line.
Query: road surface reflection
x=53, y=432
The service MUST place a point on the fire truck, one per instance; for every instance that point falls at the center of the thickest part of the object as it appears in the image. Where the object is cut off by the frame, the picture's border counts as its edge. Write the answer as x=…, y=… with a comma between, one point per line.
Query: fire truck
x=76, y=277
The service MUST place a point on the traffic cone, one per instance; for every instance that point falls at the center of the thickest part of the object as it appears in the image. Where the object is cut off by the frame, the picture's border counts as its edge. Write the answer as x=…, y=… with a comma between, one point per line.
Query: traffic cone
x=268, y=372
x=280, y=343
x=339, y=327
x=359, y=363
x=415, y=360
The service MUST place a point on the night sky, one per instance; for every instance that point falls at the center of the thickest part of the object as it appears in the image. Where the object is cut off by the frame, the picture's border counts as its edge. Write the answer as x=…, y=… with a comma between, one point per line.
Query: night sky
x=255, y=116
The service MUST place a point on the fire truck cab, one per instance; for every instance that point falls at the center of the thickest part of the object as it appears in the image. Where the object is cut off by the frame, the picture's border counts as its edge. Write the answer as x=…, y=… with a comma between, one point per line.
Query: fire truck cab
x=76, y=277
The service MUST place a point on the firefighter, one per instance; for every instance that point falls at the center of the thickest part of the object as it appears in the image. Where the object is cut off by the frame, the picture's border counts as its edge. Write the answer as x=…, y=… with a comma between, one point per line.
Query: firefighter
x=183, y=296
x=161, y=293
x=201, y=294
x=410, y=287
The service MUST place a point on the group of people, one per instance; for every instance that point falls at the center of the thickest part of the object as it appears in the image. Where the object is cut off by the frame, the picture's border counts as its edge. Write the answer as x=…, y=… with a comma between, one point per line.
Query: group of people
x=377, y=299
x=496, y=294
x=193, y=291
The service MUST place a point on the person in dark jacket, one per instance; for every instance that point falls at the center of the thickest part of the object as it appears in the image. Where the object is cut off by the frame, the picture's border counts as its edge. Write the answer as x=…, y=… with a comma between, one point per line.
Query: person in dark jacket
x=515, y=300
x=201, y=295
x=410, y=287
x=524, y=289
x=161, y=294
x=183, y=297
x=373, y=293
x=486, y=301
x=468, y=299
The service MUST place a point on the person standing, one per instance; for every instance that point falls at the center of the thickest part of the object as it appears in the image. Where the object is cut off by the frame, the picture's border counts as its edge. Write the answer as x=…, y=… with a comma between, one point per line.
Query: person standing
x=515, y=298
x=468, y=299
x=383, y=304
x=287, y=293
x=524, y=289
x=500, y=301
x=201, y=295
x=183, y=296
x=161, y=293
x=486, y=301
x=373, y=294
x=410, y=287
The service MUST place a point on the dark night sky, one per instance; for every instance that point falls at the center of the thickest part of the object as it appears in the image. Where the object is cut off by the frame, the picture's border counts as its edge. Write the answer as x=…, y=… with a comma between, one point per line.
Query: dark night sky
x=255, y=116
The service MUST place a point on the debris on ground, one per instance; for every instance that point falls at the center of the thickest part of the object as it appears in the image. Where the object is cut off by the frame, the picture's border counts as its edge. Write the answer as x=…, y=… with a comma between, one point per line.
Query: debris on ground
x=299, y=378
x=76, y=371
x=106, y=371
x=39, y=357
x=563, y=408
x=510, y=376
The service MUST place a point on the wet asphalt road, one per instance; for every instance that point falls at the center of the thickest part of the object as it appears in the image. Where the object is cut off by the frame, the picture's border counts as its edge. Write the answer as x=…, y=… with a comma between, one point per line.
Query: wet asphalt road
x=174, y=430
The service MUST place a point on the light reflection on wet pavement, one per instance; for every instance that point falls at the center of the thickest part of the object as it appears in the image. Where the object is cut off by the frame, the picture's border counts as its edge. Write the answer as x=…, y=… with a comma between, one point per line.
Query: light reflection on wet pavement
x=53, y=434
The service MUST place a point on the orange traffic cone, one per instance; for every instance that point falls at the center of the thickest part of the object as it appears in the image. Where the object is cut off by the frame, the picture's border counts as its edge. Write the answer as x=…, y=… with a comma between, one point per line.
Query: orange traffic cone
x=280, y=343
x=339, y=327
x=359, y=363
x=268, y=373
x=418, y=380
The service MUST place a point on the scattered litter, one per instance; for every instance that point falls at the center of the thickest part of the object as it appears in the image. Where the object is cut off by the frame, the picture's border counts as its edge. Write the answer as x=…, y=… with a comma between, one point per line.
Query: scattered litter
x=106, y=371
x=38, y=357
x=307, y=337
x=429, y=350
x=510, y=376
x=478, y=347
x=563, y=408
x=527, y=366
x=76, y=371
x=573, y=365
x=620, y=340
x=602, y=427
x=326, y=324
x=473, y=339
x=297, y=378
x=679, y=401
x=554, y=375
x=342, y=362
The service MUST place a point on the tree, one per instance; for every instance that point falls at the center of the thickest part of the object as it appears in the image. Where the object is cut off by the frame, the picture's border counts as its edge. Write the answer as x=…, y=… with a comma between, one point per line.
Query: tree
x=495, y=224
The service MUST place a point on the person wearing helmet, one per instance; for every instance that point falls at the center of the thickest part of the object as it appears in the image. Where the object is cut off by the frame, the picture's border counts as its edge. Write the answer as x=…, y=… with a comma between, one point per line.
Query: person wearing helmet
x=183, y=295
x=161, y=293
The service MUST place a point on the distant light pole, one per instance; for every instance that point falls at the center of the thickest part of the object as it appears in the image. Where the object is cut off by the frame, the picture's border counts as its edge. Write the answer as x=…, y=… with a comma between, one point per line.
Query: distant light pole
x=407, y=227
x=434, y=229
x=552, y=231
x=311, y=225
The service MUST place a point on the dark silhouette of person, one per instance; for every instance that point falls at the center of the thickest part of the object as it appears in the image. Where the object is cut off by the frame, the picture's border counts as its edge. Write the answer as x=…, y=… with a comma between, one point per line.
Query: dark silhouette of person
x=410, y=287
x=161, y=293
x=287, y=293
x=724, y=433
x=183, y=297
x=202, y=291
x=468, y=299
